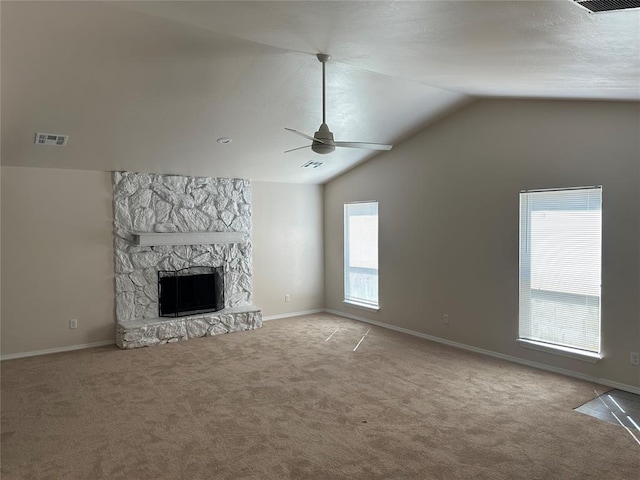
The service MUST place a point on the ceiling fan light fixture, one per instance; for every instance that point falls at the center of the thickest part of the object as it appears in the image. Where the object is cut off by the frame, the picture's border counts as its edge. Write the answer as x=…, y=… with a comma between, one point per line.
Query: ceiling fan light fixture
x=322, y=148
x=323, y=140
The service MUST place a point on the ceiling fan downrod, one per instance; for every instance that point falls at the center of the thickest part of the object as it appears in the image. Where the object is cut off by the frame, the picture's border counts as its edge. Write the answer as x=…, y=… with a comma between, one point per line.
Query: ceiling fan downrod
x=323, y=139
x=323, y=58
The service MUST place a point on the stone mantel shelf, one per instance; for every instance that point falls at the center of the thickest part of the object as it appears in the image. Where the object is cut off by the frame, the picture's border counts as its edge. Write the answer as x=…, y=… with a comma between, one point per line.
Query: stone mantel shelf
x=150, y=239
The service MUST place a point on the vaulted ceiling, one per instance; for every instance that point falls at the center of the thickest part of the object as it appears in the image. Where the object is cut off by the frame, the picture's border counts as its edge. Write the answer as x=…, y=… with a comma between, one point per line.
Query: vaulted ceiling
x=150, y=86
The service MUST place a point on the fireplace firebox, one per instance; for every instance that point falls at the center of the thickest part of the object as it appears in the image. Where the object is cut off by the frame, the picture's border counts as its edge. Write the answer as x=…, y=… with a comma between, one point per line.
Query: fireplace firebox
x=190, y=291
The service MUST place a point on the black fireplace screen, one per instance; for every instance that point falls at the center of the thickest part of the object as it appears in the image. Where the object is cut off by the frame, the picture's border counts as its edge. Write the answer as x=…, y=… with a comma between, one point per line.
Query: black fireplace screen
x=190, y=291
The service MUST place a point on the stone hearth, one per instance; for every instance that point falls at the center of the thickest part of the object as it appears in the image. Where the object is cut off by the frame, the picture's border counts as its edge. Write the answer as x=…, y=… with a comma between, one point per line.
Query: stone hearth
x=157, y=331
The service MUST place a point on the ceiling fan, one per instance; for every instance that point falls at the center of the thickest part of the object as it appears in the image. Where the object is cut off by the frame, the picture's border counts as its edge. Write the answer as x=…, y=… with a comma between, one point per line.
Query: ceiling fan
x=322, y=140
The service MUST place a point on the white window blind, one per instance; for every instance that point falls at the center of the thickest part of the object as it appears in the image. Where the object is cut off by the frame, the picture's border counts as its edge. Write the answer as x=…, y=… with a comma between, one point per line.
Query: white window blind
x=361, y=253
x=560, y=264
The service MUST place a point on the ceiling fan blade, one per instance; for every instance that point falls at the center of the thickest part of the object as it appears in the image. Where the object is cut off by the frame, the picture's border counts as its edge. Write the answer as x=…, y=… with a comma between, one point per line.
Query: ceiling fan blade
x=299, y=148
x=303, y=135
x=369, y=146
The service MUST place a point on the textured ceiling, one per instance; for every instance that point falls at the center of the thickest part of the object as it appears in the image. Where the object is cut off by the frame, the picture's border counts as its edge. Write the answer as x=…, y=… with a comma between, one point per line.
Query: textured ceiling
x=150, y=86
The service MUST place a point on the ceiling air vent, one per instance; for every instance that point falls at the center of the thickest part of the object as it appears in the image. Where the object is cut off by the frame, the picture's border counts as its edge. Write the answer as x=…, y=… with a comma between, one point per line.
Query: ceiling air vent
x=312, y=164
x=598, y=6
x=51, y=139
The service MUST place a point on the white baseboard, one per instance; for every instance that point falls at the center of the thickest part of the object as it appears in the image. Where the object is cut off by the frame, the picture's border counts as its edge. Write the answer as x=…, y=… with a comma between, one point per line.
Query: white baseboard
x=294, y=314
x=11, y=356
x=509, y=358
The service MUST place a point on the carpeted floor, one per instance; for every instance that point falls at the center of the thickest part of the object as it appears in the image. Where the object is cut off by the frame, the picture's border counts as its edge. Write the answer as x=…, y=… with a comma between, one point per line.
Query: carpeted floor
x=283, y=402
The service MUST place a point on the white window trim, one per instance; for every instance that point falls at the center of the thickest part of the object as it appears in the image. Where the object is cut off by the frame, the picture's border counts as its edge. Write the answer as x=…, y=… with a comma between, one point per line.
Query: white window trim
x=361, y=306
x=555, y=349
x=350, y=302
x=569, y=352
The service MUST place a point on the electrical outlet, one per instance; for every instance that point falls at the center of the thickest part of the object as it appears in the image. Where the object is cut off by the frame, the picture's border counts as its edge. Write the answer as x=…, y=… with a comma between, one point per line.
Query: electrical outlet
x=445, y=319
x=635, y=358
x=287, y=298
x=73, y=323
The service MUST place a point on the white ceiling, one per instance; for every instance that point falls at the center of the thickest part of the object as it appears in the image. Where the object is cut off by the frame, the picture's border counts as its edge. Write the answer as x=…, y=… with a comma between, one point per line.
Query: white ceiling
x=150, y=86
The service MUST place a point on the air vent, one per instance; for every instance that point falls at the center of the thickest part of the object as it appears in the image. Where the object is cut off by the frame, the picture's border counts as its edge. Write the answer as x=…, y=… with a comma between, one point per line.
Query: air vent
x=599, y=6
x=51, y=139
x=312, y=164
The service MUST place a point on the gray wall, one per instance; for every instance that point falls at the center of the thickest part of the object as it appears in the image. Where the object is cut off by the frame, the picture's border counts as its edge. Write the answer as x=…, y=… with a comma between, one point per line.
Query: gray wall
x=57, y=255
x=57, y=258
x=287, y=248
x=449, y=222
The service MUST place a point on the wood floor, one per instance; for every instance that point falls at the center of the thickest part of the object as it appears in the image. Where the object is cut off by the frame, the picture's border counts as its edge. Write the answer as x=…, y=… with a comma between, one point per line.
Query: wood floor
x=617, y=407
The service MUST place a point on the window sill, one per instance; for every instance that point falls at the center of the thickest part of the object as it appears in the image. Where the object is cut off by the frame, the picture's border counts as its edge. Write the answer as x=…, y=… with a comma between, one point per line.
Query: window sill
x=562, y=351
x=361, y=306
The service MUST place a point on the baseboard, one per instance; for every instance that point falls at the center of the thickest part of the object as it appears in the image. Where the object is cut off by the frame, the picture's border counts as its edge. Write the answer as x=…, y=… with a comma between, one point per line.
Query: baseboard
x=509, y=358
x=293, y=314
x=11, y=356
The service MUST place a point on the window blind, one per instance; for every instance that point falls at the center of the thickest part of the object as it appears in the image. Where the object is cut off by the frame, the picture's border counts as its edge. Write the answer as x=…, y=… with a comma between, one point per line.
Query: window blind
x=560, y=267
x=361, y=253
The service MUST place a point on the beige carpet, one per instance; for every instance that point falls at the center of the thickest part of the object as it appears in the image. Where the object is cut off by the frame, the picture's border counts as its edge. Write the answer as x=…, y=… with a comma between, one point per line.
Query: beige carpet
x=282, y=402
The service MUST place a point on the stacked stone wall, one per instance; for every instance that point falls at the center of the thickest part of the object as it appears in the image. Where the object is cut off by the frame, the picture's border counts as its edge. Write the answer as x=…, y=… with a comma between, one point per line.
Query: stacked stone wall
x=170, y=203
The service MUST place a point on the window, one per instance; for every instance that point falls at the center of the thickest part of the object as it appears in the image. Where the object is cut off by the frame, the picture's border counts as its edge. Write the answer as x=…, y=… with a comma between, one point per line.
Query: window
x=560, y=259
x=361, y=254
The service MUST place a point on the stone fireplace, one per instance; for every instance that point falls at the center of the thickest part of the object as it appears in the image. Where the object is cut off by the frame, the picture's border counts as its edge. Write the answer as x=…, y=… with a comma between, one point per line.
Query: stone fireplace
x=169, y=223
